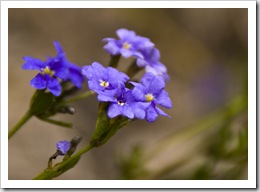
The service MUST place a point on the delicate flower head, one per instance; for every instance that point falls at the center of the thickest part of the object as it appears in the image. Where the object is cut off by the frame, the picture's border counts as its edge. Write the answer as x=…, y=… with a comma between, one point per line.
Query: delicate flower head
x=103, y=80
x=71, y=72
x=129, y=44
x=151, y=91
x=158, y=69
x=53, y=69
x=125, y=104
x=151, y=62
x=63, y=146
x=74, y=75
x=151, y=56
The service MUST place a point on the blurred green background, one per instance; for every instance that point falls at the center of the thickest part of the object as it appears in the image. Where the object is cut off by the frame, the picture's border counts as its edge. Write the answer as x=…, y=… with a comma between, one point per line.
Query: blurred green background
x=205, y=51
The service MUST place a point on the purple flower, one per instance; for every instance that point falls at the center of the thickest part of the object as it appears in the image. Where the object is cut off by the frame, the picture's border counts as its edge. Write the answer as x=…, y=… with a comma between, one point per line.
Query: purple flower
x=71, y=72
x=52, y=70
x=151, y=55
x=125, y=104
x=103, y=81
x=151, y=62
x=151, y=91
x=74, y=75
x=63, y=146
x=158, y=69
x=129, y=44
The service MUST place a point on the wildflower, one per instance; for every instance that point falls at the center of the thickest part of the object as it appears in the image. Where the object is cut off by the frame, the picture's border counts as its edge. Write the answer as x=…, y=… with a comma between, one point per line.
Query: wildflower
x=125, y=104
x=151, y=55
x=63, y=146
x=158, y=69
x=103, y=81
x=151, y=62
x=151, y=91
x=129, y=44
x=74, y=75
x=52, y=70
x=71, y=72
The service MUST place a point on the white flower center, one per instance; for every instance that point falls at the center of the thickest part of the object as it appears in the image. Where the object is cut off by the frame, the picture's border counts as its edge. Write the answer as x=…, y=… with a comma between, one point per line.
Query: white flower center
x=120, y=103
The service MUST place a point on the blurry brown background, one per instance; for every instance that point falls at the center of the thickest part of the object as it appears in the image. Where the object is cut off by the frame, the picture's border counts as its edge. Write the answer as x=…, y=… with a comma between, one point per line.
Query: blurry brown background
x=205, y=51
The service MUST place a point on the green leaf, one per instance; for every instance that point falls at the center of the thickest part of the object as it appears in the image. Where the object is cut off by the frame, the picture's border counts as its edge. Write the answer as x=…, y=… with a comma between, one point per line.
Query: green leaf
x=106, y=127
x=46, y=175
x=114, y=125
x=70, y=164
x=59, y=169
x=102, y=125
x=41, y=102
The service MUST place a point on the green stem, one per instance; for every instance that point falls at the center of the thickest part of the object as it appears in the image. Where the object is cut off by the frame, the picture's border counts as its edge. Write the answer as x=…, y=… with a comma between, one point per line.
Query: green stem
x=63, y=166
x=79, y=97
x=55, y=122
x=83, y=150
x=133, y=69
x=19, y=124
x=114, y=60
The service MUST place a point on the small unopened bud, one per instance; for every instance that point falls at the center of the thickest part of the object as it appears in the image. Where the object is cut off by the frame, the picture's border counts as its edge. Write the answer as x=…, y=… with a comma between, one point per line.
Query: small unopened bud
x=66, y=109
x=73, y=145
x=62, y=149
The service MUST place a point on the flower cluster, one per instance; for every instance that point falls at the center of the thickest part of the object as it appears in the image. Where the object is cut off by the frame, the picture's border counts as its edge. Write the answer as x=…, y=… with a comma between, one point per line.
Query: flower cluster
x=129, y=44
x=151, y=91
x=127, y=98
x=139, y=102
x=52, y=71
x=121, y=99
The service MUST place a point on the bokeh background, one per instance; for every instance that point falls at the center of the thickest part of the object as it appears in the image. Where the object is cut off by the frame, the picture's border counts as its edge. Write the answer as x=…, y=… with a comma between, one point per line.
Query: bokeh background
x=205, y=51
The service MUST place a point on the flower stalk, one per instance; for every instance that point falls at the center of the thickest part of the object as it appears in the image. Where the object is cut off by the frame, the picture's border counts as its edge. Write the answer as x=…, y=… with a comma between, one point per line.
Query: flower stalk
x=62, y=167
x=114, y=59
x=79, y=97
x=133, y=69
x=19, y=124
x=58, y=123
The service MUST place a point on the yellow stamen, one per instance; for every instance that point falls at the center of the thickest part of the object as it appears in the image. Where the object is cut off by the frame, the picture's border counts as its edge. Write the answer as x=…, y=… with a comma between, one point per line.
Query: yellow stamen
x=149, y=97
x=47, y=70
x=103, y=83
x=127, y=45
